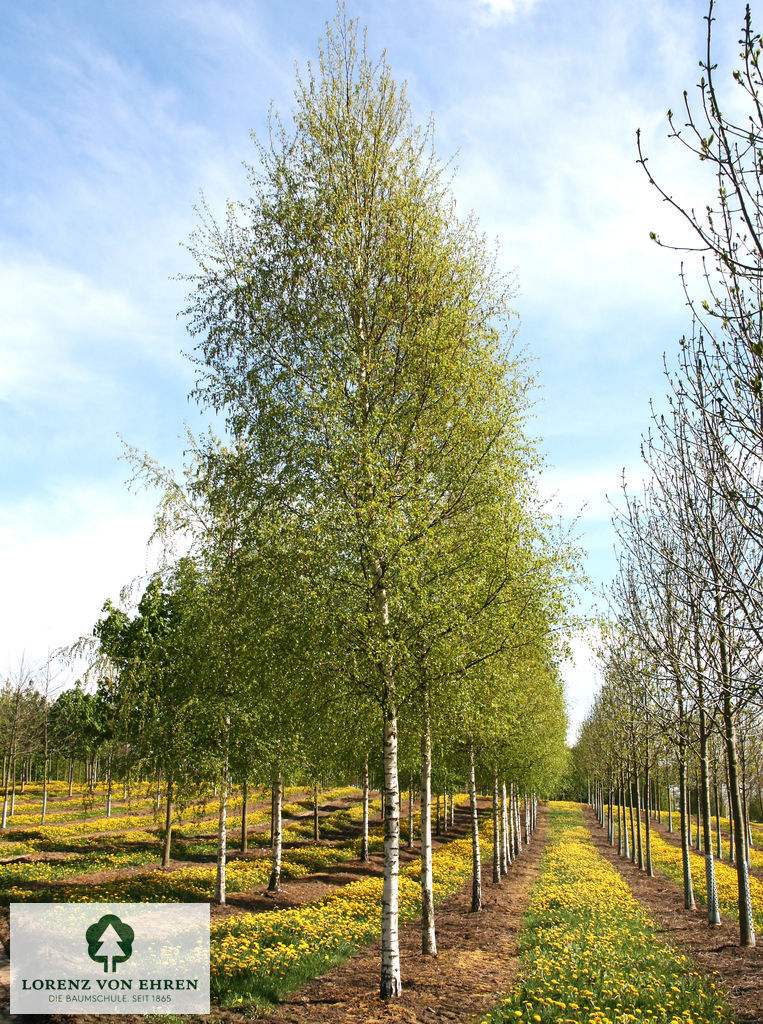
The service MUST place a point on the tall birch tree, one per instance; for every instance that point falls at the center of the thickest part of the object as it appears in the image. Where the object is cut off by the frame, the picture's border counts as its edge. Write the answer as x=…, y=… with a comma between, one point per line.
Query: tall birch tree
x=355, y=334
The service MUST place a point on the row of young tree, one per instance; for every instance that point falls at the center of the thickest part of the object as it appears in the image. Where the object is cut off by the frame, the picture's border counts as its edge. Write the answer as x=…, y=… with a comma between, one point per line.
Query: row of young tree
x=44, y=736
x=681, y=659
x=367, y=568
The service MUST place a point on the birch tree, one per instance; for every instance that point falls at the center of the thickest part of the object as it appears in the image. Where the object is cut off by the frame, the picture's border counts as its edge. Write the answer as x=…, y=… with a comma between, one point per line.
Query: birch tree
x=354, y=332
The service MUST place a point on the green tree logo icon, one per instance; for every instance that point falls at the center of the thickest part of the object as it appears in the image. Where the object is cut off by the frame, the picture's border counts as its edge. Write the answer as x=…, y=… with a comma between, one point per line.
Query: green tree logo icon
x=109, y=939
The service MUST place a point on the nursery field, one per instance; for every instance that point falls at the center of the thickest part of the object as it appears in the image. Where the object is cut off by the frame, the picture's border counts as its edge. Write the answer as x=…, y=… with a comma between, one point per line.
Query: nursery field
x=715, y=949
x=81, y=854
x=560, y=939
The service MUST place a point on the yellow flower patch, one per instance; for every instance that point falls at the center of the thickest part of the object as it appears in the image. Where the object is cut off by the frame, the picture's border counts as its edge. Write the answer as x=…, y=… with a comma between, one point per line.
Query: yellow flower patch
x=590, y=953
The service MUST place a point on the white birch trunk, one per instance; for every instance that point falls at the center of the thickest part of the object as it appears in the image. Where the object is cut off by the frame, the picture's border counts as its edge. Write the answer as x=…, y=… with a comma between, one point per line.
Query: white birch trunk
x=496, y=830
x=274, y=885
x=222, y=836
x=391, y=983
x=428, y=941
x=505, y=847
x=222, y=833
x=517, y=825
x=512, y=837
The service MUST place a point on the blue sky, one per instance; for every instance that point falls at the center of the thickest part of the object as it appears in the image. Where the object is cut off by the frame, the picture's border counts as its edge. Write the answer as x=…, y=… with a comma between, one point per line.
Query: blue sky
x=117, y=115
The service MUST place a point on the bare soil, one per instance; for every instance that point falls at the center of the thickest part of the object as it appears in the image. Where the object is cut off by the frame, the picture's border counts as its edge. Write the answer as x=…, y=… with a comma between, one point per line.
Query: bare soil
x=477, y=960
x=716, y=950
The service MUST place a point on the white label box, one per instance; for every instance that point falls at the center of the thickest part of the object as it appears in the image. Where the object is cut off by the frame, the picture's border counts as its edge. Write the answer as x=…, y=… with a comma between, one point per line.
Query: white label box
x=109, y=958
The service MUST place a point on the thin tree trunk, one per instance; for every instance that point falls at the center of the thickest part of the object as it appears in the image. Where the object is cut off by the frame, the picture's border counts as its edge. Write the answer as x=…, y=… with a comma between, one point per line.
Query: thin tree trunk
x=512, y=838
x=699, y=816
x=517, y=825
x=527, y=821
x=364, y=838
x=5, y=793
x=630, y=811
x=391, y=982
x=45, y=759
x=732, y=849
x=620, y=816
x=703, y=798
x=410, y=812
x=316, y=827
x=745, y=810
x=428, y=940
x=688, y=887
x=717, y=815
x=167, y=825
x=222, y=826
x=640, y=858
x=610, y=817
x=244, y=817
x=274, y=885
x=746, y=923
x=647, y=795
x=44, y=790
x=272, y=816
x=496, y=830
x=476, y=866
x=506, y=850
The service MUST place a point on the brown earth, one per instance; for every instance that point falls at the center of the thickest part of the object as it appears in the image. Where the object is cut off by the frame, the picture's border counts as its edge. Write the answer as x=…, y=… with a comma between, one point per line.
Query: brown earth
x=716, y=950
x=477, y=961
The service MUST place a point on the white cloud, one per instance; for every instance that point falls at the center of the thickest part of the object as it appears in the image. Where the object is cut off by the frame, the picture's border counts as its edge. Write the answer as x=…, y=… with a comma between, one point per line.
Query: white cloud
x=581, y=680
x=62, y=557
x=51, y=317
x=491, y=11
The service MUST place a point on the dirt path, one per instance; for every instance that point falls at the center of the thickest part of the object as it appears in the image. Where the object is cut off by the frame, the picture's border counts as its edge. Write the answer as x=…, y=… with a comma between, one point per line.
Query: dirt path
x=477, y=960
x=715, y=949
